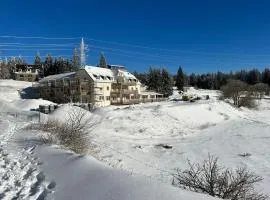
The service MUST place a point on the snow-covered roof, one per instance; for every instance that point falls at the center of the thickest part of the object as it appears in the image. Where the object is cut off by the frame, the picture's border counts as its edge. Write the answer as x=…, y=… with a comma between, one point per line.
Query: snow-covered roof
x=108, y=75
x=58, y=76
x=100, y=74
x=128, y=75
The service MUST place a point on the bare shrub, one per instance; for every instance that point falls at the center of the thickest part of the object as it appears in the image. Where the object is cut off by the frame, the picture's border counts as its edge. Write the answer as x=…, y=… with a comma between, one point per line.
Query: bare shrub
x=260, y=89
x=234, y=89
x=72, y=133
x=247, y=102
x=217, y=181
x=241, y=93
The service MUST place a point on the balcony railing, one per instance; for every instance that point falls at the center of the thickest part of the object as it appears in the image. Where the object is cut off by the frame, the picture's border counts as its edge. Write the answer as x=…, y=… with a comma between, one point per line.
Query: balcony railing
x=124, y=91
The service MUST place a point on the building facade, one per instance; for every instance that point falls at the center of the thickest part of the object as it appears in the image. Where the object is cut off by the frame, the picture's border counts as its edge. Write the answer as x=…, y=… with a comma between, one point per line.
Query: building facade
x=26, y=73
x=97, y=87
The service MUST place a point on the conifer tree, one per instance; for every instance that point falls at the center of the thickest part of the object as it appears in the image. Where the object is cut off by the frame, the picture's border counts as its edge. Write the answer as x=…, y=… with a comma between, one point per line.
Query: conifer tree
x=180, y=79
x=48, y=65
x=102, y=61
x=75, y=60
x=166, y=83
x=38, y=61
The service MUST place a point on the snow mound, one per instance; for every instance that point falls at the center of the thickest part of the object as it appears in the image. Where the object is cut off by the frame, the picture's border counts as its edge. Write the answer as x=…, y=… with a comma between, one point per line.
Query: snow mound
x=10, y=99
x=64, y=112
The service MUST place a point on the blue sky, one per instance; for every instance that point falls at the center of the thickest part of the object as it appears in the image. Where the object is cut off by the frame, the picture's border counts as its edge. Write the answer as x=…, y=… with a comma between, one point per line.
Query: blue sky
x=201, y=36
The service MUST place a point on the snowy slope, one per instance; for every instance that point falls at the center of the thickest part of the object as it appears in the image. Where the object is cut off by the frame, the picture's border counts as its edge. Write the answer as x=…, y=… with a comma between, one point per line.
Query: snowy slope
x=83, y=177
x=127, y=136
x=10, y=97
x=32, y=170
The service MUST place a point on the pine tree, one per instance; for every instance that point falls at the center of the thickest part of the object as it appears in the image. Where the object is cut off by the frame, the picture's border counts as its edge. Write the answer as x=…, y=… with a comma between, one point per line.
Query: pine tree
x=193, y=80
x=180, y=79
x=48, y=65
x=38, y=59
x=266, y=76
x=166, y=83
x=75, y=60
x=253, y=76
x=102, y=61
x=154, y=79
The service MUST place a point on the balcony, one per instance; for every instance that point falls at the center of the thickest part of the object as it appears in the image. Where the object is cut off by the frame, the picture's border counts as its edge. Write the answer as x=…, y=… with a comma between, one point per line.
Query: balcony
x=125, y=91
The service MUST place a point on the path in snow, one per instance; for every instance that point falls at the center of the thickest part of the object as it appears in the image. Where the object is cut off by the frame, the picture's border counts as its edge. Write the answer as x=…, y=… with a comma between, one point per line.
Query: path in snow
x=20, y=177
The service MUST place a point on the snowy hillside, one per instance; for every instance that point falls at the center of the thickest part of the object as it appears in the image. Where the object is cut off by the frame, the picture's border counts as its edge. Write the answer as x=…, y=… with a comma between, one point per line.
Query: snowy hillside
x=32, y=170
x=128, y=137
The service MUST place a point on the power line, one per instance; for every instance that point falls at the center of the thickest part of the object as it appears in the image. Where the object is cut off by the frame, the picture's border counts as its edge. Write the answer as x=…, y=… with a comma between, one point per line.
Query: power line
x=143, y=56
x=169, y=56
x=36, y=45
x=40, y=37
x=169, y=50
x=125, y=44
x=25, y=49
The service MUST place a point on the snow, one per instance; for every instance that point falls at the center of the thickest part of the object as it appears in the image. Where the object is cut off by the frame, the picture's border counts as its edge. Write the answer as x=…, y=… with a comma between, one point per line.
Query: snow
x=32, y=170
x=96, y=72
x=128, y=136
x=10, y=97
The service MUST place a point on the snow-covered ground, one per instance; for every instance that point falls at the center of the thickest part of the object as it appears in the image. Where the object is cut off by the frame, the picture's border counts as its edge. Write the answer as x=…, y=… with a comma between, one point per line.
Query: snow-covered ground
x=127, y=138
x=30, y=169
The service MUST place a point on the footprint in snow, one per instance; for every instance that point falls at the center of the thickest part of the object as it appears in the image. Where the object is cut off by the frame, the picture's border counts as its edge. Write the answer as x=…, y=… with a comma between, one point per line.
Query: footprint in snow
x=21, y=179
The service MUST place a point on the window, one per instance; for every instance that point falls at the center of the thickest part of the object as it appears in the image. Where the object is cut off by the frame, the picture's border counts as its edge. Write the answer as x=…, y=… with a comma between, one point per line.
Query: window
x=21, y=75
x=114, y=98
x=108, y=98
x=101, y=97
x=108, y=88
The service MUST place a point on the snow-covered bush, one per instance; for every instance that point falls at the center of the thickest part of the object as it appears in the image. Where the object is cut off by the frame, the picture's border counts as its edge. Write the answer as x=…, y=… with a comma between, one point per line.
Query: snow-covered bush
x=217, y=181
x=72, y=133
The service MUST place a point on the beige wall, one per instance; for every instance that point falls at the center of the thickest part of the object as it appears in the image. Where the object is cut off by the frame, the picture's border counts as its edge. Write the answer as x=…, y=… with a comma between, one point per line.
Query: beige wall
x=135, y=87
x=103, y=93
x=30, y=77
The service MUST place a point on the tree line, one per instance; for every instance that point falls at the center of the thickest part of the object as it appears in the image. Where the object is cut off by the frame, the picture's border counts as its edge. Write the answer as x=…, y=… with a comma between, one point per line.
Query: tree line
x=49, y=66
x=157, y=79
x=207, y=80
x=217, y=80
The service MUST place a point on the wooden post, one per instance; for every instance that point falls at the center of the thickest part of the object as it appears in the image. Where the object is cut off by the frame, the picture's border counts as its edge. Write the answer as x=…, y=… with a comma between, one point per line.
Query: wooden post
x=39, y=114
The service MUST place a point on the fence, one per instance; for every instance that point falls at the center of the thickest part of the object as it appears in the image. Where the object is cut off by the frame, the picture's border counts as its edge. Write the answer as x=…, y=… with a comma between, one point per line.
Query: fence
x=135, y=101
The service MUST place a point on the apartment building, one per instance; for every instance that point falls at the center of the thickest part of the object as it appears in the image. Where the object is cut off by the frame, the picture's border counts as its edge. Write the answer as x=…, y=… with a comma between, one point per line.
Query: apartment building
x=96, y=86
